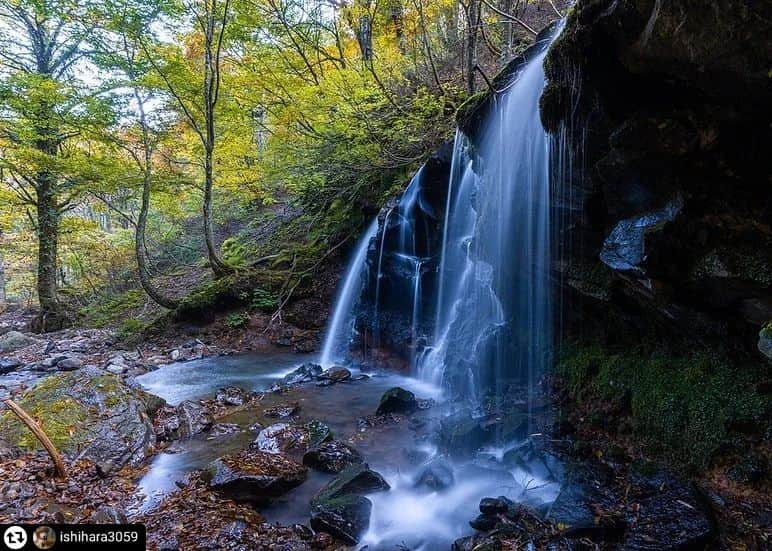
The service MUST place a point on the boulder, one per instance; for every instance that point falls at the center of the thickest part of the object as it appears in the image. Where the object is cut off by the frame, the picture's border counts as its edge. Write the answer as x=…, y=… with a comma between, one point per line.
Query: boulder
x=436, y=475
x=69, y=364
x=355, y=479
x=14, y=340
x=193, y=419
x=765, y=340
x=340, y=507
x=397, y=400
x=254, y=476
x=303, y=374
x=233, y=396
x=283, y=437
x=332, y=457
x=345, y=518
x=87, y=412
x=671, y=515
x=335, y=375
x=7, y=366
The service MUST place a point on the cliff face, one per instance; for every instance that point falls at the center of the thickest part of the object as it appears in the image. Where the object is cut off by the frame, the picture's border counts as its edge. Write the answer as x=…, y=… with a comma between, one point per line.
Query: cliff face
x=663, y=109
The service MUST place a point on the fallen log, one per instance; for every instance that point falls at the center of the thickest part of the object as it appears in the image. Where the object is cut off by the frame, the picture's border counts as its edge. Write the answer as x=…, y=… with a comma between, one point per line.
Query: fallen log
x=40, y=434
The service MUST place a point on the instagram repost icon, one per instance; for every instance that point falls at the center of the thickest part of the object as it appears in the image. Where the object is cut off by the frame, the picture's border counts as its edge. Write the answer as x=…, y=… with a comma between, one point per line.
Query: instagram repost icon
x=44, y=537
x=15, y=537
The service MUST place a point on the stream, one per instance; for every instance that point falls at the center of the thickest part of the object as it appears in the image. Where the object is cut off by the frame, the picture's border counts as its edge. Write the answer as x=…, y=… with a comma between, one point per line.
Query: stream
x=407, y=514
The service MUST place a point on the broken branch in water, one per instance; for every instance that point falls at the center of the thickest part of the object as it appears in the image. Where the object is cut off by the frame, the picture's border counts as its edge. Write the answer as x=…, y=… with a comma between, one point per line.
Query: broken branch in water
x=40, y=434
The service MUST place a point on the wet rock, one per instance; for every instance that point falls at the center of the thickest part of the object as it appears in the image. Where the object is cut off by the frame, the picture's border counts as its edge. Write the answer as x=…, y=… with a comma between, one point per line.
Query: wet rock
x=355, y=479
x=332, y=457
x=483, y=523
x=345, y=518
x=233, y=396
x=318, y=433
x=336, y=375
x=303, y=374
x=277, y=438
x=254, y=476
x=193, y=419
x=437, y=475
x=14, y=340
x=166, y=423
x=69, y=364
x=281, y=411
x=223, y=429
x=397, y=400
x=283, y=437
x=495, y=505
x=670, y=515
x=88, y=412
x=624, y=248
x=340, y=507
x=765, y=340
x=7, y=366
x=573, y=509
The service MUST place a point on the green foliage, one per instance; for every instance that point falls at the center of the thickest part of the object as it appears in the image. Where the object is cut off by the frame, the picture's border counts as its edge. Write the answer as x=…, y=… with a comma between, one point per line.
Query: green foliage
x=261, y=299
x=237, y=320
x=683, y=408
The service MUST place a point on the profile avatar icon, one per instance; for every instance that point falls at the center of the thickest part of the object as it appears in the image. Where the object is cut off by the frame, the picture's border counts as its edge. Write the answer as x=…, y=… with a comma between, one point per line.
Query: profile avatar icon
x=44, y=537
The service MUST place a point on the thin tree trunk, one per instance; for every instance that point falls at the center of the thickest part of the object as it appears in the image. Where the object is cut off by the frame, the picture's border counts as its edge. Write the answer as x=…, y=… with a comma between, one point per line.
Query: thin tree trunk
x=2, y=280
x=139, y=234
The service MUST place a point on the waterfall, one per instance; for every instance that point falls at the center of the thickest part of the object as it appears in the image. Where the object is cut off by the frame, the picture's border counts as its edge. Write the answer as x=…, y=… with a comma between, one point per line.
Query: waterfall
x=341, y=325
x=493, y=313
x=478, y=318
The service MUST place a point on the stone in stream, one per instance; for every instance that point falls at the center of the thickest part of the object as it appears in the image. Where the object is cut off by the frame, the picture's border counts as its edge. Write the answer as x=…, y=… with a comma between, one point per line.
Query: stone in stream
x=436, y=475
x=303, y=374
x=340, y=507
x=345, y=518
x=332, y=457
x=397, y=400
x=193, y=419
x=233, y=396
x=283, y=437
x=283, y=410
x=334, y=375
x=254, y=476
x=223, y=429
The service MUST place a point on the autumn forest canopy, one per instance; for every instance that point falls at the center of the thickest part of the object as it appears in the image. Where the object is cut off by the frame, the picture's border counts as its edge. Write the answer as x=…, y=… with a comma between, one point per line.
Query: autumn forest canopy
x=147, y=148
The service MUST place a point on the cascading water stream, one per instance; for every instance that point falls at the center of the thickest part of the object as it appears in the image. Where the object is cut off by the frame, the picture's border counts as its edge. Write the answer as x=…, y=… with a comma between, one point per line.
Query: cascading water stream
x=488, y=298
x=342, y=322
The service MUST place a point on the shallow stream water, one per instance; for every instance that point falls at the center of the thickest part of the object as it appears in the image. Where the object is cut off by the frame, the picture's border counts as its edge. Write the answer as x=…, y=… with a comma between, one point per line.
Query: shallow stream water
x=418, y=518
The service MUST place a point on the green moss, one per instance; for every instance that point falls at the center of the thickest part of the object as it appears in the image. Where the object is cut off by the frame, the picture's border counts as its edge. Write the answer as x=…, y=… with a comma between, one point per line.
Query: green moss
x=237, y=320
x=683, y=408
x=111, y=309
x=234, y=252
x=58, y=414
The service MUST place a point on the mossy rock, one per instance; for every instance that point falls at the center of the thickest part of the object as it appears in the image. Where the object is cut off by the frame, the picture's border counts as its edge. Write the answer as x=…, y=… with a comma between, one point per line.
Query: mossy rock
x=86, y=411
x=684, y=408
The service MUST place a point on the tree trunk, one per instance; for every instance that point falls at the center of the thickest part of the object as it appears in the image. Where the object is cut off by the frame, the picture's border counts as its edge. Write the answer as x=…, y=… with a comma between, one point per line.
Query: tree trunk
x=139, y=234
x=51, y=317
x=2, y=280
x=473, y=16
x=219, y=267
